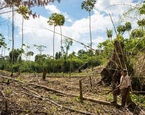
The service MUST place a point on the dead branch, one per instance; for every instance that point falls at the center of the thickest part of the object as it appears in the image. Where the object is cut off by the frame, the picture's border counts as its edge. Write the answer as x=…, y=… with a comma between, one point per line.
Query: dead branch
x=50, y=89
x=97, y=101
x=13, y=79
x=61, y=106
x=29, y=111
x=138, y=92
x=84, y=98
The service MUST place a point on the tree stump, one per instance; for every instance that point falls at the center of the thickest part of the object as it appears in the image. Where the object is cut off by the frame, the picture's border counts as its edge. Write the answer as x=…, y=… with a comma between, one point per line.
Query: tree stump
x=44, y=73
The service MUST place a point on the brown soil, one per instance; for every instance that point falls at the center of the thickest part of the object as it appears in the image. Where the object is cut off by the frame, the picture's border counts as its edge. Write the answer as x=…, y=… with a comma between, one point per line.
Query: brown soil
x=22, y=97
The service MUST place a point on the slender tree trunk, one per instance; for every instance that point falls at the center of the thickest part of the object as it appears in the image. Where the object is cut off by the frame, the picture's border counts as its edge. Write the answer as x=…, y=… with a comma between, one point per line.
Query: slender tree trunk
x=53, y=48
x=62, y=59
x=22, y=32
x=12, y=60
x=90, y=39
x=53, y=43
x=61, y=38
x=19, y=71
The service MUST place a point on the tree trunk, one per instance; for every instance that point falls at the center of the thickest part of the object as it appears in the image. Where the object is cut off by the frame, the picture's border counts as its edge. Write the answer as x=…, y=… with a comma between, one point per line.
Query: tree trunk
x=12, y=60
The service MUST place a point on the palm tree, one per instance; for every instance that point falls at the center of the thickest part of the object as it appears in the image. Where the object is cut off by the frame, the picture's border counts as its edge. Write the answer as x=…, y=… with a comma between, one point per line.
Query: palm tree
x=88, y=5
x=55, y=20
x=128, y=27
x=24, y=11
x=61, y=23
x=40, y=48
x=109, y=33
x=30, y=53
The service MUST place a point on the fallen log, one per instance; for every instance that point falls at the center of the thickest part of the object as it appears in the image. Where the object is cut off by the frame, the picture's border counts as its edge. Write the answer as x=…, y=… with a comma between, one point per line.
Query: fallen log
x=29, y=111
x=56, y=91
x=13, y=79
x=97, y=101
x=50, y=89
x=67, y=94
x=61, y=106
x=138, y=92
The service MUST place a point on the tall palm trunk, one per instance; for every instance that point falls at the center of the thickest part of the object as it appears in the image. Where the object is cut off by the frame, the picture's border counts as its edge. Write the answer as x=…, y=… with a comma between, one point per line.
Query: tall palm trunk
x=22, y=34
x=12, y=60
x=61, y=50
x=61, y=37
x=19, y=71
x=53, y=47
x=53, y=42
x=90, y=39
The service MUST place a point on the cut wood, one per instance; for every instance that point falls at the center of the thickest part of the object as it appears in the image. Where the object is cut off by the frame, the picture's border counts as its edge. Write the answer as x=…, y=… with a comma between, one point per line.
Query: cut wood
x=13, y=79
x=59, y=105
x=67, y=94
x=138, y=92
x=50, y=89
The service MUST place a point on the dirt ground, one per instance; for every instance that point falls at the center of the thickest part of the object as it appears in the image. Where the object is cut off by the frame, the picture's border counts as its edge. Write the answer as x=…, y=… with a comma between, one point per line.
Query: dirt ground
x=30, y=95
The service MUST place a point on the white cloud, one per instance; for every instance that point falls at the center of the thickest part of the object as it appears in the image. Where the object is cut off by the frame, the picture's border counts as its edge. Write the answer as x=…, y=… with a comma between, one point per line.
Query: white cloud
x=98, y=40
x=113, y=6
x=52, y=9
x=35, y=31
x=67, y=17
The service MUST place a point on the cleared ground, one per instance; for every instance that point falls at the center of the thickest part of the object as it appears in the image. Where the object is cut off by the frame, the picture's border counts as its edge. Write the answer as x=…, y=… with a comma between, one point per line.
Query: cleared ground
x=57, y=95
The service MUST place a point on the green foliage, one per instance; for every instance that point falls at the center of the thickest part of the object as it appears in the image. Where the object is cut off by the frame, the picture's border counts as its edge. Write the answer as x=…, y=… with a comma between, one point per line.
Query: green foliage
x=4, y=64
x=142, y=9
x=88, y=5
x=8, y=91
x=40, y=48
x=109, y=33
x=106, y=48
x=18, y=78
x=121, y=29
x=27, y=66
x=138, y=99
x=141, y=22
x=2, y=41
x=58, y=55
x=24, y=11
x=134, y=46
x=56, y=19
x=71, y=63
x=128, y=26
x=17, y=55
x=66, y=47
x=137, y=33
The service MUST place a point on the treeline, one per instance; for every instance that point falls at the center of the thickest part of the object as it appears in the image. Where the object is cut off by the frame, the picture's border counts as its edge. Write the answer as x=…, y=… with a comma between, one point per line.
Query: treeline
x=74, y=62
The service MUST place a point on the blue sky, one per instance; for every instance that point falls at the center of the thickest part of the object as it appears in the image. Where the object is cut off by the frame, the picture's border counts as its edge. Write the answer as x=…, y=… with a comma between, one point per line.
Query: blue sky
x=76, y=24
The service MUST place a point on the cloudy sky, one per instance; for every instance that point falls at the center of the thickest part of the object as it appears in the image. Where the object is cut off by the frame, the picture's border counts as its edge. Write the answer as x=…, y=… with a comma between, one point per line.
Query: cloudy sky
x=76, y=24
